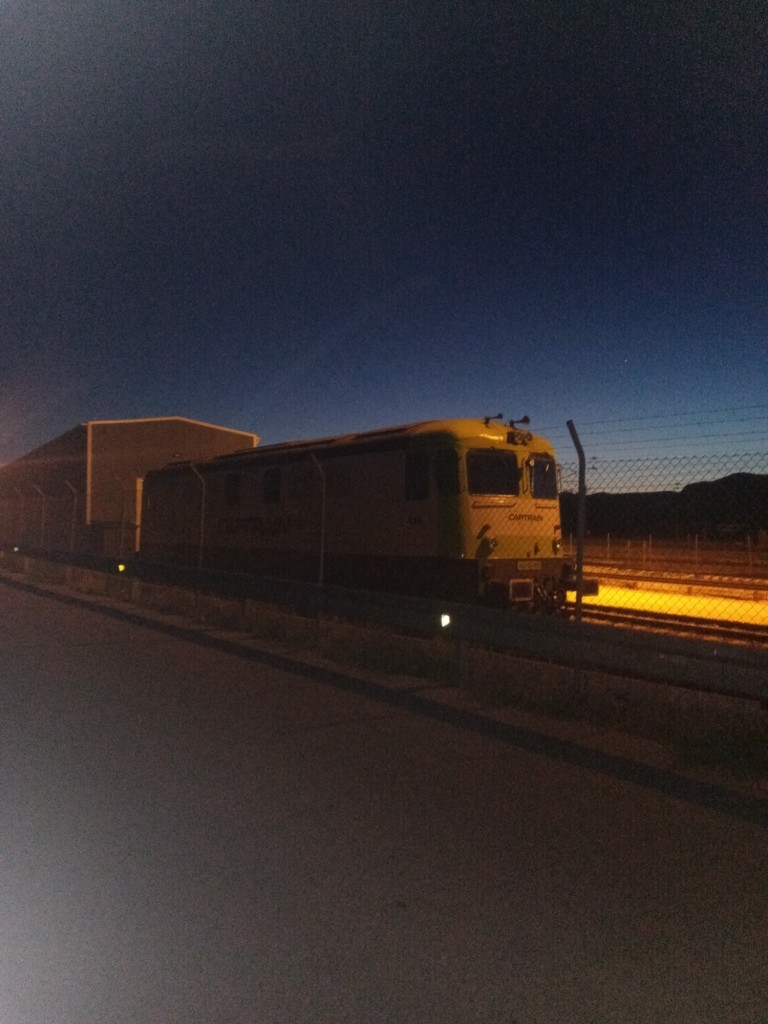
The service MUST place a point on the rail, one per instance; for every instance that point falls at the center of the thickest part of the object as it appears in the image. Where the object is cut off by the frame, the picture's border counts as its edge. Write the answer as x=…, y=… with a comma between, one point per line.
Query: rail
x=641, y=555
x=689, y=583
x=716, y=630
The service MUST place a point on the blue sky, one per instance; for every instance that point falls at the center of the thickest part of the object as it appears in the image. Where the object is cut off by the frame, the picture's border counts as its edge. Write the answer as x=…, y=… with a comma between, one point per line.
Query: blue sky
x=309, y=219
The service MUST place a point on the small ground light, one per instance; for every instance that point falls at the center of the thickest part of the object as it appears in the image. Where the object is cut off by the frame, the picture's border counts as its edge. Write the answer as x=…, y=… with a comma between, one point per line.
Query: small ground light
x=445, y=620
x=121, y=567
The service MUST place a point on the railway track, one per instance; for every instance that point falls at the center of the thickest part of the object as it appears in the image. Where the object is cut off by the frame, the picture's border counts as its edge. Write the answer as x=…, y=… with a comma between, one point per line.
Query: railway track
x=716, y=630
x=702, y=584
x=686, y=585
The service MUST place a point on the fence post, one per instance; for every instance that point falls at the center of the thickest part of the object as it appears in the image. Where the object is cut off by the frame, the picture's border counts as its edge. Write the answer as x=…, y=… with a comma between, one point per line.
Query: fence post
x=321, y=554
x=578, y=688
x=73, y=520
x=21, y=522
x=201, y=539
x=40, y=491
x=121, y=538
x=320, y=603
x=581, y=510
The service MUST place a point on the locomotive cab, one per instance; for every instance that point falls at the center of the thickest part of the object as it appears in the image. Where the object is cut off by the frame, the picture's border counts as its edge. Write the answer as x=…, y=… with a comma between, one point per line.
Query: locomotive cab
x=512, y=519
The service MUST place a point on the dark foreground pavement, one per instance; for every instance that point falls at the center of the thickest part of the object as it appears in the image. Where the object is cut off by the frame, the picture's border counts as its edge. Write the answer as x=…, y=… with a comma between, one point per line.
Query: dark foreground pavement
x=188, y=836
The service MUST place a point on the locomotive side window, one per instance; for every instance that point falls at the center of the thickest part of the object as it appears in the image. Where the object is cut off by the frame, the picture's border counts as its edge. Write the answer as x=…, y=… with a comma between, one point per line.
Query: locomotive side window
x=447, y=472
x=416, y=476
x=272, y=485
x=491, y=472
x=543, y=476
x=232, y=489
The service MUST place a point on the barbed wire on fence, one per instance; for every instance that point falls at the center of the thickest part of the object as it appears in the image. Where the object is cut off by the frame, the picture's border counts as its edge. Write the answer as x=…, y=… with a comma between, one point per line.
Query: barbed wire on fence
x=703, y=431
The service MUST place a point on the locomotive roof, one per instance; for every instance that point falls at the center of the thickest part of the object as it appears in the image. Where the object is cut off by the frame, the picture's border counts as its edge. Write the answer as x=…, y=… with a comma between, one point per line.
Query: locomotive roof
x=464, y=430
x=458, y=429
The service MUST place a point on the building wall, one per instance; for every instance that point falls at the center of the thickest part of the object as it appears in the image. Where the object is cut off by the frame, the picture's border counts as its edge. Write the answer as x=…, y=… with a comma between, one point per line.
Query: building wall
x=42, y=494
x=122, y=452
x=78, y=492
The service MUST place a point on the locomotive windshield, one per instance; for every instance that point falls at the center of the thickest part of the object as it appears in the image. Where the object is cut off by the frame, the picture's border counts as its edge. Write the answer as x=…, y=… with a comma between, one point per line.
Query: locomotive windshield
x=543, y=476
x=492, y=472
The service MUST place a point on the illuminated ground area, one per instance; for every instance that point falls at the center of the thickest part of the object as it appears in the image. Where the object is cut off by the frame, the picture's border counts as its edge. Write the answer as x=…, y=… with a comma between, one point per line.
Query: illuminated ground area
x=731, y=609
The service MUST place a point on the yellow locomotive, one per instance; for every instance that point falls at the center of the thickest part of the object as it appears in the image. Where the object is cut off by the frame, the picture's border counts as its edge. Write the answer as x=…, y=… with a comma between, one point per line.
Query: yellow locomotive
x=459, y=509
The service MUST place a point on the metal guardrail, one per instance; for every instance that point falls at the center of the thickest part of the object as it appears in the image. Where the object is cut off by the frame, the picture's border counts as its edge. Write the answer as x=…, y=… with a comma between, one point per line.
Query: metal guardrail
x=680, y=661
x=731, y=669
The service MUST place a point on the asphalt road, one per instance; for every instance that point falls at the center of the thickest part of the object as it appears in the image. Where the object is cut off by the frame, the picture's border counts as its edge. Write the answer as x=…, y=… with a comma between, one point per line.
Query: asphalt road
x=192, y=837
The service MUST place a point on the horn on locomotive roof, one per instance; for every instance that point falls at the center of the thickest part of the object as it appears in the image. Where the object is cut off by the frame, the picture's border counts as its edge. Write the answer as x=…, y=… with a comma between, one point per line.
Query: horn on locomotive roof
x=498, y=416
x=524, y=421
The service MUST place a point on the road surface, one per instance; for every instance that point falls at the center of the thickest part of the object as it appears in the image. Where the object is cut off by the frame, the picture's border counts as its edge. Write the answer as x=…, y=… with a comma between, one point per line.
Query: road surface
x=192, y=837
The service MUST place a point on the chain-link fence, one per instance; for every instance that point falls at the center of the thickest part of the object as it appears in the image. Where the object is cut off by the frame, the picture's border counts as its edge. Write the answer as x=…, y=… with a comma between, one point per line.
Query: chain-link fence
x=684, y=536
x=52, y=516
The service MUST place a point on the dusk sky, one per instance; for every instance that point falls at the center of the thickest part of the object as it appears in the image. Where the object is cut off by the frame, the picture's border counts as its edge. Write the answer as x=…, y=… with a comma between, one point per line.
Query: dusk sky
x=303, y=219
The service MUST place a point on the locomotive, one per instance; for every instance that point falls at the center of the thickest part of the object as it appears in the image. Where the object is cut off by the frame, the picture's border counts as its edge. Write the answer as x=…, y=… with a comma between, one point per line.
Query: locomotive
x=459, y=509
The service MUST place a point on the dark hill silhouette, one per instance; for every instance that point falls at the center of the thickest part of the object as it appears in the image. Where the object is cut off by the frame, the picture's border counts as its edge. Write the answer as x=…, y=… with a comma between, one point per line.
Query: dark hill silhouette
x=729, y=508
